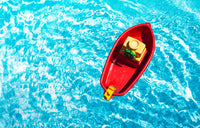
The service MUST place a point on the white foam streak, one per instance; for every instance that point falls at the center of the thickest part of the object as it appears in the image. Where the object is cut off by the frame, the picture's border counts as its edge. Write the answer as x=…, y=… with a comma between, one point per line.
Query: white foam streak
x=176, y=84
x=182, y=4
x=110, y=9
x=192, y=55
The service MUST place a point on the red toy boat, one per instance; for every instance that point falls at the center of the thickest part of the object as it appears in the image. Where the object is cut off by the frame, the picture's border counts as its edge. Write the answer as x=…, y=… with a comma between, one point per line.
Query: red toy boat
x=120, y=73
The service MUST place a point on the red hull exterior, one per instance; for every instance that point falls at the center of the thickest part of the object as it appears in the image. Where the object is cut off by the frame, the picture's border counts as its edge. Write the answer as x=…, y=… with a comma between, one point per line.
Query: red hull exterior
x=118, y=71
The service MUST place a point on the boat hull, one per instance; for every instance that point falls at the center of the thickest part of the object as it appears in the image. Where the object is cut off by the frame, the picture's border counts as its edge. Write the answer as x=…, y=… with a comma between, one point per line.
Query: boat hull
x=121, y=72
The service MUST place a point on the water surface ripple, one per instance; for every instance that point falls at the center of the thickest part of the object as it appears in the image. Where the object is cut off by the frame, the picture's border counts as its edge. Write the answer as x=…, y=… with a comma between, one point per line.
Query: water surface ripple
x=52, y=54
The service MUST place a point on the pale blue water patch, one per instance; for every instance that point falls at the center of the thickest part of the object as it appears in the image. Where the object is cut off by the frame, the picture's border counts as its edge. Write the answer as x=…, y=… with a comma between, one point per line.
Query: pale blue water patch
x=52, y=54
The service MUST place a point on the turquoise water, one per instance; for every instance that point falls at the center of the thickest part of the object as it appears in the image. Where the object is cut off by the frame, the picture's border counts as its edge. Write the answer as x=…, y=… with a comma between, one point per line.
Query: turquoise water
x=52, y=54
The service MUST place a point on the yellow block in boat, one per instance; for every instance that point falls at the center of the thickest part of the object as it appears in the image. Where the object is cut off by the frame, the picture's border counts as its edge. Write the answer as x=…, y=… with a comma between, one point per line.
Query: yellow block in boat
x=136, y=46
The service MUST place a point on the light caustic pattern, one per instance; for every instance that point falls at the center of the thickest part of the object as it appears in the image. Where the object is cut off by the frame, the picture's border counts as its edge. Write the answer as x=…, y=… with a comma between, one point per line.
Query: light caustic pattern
x=52, y=54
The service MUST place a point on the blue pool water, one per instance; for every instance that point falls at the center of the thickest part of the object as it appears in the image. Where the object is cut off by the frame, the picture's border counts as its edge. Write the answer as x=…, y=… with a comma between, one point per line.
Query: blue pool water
x=52, y=54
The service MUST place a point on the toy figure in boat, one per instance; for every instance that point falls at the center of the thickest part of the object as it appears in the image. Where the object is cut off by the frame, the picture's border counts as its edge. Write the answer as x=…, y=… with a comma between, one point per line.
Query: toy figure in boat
x=128, y=59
